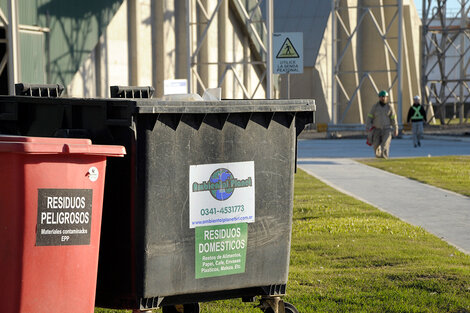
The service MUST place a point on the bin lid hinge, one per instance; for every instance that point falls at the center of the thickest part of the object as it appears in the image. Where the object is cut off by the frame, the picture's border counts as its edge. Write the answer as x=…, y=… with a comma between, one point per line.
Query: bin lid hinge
x=39, y=90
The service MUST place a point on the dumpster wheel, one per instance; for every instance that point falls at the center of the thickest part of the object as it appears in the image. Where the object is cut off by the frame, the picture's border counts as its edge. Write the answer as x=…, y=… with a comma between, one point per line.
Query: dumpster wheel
x=270, y=305
x=181, y=308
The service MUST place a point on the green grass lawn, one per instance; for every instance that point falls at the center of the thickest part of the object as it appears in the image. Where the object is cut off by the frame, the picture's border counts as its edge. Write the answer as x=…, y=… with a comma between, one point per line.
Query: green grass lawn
x=348, y=256
x=448, y=172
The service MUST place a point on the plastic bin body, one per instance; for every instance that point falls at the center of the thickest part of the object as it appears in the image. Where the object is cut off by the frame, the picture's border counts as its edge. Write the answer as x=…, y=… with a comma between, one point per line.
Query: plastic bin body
x=147, y=252
x=50, y=272
x=164, y=158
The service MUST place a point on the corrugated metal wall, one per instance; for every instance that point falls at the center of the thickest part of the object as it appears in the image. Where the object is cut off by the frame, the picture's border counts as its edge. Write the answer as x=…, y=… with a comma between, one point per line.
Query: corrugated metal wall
x=32, y=57
x=75, y=27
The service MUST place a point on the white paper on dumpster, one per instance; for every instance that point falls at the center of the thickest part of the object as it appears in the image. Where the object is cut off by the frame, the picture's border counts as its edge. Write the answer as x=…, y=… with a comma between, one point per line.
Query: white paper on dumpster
x=222, y=193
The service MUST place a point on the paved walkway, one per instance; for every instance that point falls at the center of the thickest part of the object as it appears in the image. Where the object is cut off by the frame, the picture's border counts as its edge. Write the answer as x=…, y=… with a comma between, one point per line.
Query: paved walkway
x=445, y=214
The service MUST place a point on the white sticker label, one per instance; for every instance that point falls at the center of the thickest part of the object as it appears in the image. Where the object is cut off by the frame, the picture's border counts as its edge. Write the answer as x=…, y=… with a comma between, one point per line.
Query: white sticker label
x=93, y=174
x=221, y=193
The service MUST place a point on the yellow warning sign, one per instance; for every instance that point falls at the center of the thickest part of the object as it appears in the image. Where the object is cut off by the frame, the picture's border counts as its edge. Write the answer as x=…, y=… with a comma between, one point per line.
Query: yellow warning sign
x=287, y=50
x=288, y=53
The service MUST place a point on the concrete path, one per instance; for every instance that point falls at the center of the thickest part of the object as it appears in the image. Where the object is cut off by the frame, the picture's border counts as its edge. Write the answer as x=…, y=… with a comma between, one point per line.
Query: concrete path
x=445, y=214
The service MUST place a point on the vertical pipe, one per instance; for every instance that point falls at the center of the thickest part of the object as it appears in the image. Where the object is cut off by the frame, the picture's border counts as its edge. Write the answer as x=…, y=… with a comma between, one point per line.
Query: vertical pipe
x=180, y=39
x=154, y=43
x=423, y=59
x=222, y=21
x=158, y=47
x=400, y=65
x=269, y=55
x=203, y=55
x=132, y=42
x=288, y=85
x=333, y=62
x=189, y=43
x=463, y=25
x=13, y=48
x=98, y=74
x=246, y=67
x=47, y=43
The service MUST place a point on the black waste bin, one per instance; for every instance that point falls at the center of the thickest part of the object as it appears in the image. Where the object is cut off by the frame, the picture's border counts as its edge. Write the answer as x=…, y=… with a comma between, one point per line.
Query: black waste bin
x=201, y=207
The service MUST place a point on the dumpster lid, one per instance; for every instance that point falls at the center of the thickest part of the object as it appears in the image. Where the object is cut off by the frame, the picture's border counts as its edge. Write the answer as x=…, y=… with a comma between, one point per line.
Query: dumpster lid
x=224, y=106
x=155, y=106
x=46, y=145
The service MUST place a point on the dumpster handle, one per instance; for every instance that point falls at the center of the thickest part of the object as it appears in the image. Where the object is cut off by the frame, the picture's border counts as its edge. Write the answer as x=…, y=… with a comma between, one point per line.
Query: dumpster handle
x=94, y=149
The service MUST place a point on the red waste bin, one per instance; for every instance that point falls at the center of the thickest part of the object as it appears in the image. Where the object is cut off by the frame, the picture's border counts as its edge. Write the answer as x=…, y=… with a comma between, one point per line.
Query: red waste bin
x=51, y=194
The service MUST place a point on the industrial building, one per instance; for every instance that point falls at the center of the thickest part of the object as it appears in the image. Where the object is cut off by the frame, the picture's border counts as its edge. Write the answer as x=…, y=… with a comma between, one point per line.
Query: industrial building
x=352, y=49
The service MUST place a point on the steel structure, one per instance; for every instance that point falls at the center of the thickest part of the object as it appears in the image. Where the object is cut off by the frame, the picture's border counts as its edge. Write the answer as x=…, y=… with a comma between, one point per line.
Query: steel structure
x=445, y=55
x=359, y=72
x=206, y=16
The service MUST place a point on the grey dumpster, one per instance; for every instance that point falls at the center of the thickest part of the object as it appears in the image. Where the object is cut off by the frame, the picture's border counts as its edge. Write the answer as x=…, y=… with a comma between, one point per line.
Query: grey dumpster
x=201, y=207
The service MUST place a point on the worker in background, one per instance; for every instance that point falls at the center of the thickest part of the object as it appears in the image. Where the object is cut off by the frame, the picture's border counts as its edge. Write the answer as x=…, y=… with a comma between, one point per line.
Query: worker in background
x=382, y=119
x=417, y=116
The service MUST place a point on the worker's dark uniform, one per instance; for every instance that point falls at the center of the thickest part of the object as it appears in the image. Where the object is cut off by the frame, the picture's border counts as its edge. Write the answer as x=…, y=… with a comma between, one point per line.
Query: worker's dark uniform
x=417, y=116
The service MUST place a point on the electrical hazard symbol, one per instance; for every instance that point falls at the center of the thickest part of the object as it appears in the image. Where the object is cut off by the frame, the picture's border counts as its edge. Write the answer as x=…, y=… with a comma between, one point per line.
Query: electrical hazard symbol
x=287, y=50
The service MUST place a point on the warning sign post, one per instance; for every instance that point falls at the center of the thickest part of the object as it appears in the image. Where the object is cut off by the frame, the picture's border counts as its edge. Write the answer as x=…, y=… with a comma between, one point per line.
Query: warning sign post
x=288, y=52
